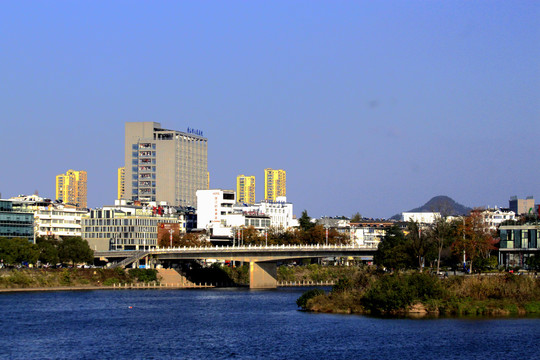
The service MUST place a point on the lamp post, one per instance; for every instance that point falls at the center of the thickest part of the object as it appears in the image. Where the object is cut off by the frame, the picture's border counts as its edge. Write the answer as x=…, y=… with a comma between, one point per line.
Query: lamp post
x=170, y=237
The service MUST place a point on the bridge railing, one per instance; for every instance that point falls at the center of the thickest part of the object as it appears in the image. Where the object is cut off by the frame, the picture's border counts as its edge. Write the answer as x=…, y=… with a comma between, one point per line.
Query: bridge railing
x=282, y=247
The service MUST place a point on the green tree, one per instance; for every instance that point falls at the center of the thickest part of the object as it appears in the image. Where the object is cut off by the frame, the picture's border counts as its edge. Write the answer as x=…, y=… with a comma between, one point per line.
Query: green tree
x=75, y=250
x=305, y=221
x=17, y=251
x=393, y=251
x=419, y=243
x=441, y=233
x=356, y=218
x=48, y=251
x=533, y=262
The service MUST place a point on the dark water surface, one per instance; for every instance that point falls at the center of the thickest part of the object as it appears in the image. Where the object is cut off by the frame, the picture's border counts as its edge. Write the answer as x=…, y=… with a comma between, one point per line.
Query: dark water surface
x=237, y=324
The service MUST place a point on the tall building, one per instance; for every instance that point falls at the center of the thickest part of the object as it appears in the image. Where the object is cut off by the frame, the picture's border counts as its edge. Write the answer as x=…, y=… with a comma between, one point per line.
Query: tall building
x=121, y=182
x=245, y=189
x=521, y=206
x=164, y=165
x=275, y=184
x=71, y=188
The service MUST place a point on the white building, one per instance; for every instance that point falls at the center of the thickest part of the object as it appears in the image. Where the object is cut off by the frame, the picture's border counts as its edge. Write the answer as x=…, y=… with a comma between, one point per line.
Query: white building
x=280, y=212
x=51, y=219
x=420, y=217
x=218, y=213
x=212, y=207
x=369, y=233
x=494, y=217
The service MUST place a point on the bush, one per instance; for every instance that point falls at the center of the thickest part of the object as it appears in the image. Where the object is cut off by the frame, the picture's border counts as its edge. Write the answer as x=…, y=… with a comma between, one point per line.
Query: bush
x=111, y=281
x=144, y=275
x=395, y=292
x=302, y=300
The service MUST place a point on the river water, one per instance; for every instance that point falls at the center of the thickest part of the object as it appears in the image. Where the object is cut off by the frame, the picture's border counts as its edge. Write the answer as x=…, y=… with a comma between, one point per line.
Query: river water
x=238, y=324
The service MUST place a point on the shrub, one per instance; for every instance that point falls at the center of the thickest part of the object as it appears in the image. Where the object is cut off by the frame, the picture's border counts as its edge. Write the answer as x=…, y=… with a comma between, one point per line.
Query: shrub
x=302, y=300
x=144, y=275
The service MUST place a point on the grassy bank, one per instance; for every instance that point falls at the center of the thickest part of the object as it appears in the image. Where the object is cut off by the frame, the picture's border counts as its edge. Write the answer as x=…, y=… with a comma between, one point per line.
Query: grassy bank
x=418, y=294
x=53, y=278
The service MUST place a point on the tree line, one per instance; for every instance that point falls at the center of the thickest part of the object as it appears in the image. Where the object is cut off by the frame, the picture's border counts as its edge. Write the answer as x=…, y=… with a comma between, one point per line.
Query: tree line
x=47, y=250
x=445, y=242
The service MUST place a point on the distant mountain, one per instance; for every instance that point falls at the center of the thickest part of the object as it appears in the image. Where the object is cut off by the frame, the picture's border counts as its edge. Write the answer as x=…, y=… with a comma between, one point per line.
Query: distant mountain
x=443, y=204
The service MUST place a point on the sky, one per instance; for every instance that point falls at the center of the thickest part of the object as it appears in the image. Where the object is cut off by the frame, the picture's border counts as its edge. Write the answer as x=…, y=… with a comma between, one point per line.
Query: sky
x=370, y=106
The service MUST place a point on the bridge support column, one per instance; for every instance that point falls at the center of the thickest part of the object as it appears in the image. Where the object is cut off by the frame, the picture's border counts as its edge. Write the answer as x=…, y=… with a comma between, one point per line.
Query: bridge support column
x=262, y=275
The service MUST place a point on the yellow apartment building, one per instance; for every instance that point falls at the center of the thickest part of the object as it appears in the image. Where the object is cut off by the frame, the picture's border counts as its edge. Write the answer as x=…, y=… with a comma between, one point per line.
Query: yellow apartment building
x=71, y=188
x=245, y=189
x=275, y=184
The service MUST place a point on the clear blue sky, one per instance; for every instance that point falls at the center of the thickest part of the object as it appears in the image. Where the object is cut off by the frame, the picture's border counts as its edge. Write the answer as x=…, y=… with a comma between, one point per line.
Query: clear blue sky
x=370, y=106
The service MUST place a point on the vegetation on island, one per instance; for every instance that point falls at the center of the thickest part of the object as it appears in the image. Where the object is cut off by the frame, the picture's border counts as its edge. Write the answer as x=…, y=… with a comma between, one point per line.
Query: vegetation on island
x=407, y=276
x=415, y=293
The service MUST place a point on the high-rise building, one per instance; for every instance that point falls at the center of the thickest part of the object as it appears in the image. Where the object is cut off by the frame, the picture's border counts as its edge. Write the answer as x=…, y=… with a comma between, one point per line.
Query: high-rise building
x=164, y=165
x=245, y=189
x=71, y=188
x=521, y=206
x=121, y=182
x=275, y=184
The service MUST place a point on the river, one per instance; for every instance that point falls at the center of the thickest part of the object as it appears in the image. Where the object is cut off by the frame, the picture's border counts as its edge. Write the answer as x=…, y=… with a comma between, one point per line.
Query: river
x=237, y=324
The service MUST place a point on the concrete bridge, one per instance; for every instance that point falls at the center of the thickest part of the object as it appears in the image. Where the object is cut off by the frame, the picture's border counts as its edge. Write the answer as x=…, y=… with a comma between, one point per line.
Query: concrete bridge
x=262, y=259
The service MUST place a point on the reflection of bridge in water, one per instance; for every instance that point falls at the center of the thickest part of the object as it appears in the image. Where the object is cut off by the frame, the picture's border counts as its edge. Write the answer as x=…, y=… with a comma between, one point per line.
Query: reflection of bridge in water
x=262, y=259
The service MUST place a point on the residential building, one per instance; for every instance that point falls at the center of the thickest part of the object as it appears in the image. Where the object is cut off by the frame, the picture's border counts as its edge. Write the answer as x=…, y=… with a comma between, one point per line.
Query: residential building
x=212, y=206
x=518, y=242
x=129, y=227
x=51, y=218
x=71, y=188
x=494, y=217
x=280, y=212
x=420, y=217
x=369, y=233
x=164, y=165
x=245, y=189
x=275, y=184
x=121, y=182
x=521, y=206
x=15, y=224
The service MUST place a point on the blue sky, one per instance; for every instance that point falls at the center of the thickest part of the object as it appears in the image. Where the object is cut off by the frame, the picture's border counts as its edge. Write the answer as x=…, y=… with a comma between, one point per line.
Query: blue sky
x=369, y=106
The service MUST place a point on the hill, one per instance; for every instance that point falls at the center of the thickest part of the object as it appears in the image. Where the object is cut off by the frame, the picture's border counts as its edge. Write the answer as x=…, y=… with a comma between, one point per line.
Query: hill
x=443, y=204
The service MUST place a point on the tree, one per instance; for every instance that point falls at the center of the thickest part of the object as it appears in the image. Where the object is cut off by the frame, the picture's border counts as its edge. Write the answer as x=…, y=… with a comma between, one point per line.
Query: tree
x=442, y=232
x=356, y=218
x=393, y=251
x=305, y=221
x=419, y=243
x=476, y=240
x=75, y=250
x=48, y=252
x=18, y=251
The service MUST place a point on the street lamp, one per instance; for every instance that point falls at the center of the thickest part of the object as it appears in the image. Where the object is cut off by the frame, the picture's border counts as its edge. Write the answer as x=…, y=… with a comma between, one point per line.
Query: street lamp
x=170, y=237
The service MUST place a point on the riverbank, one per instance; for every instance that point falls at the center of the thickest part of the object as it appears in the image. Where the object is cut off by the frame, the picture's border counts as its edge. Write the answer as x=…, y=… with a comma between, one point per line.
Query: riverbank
x=73, y=279
x=419, y=295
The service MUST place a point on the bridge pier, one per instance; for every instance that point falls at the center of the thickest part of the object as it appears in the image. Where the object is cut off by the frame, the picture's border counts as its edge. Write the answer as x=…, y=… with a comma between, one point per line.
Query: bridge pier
x=262, y=275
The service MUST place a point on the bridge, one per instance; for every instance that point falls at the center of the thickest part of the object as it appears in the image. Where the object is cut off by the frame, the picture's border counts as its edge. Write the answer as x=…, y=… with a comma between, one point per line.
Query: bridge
x=262, y=259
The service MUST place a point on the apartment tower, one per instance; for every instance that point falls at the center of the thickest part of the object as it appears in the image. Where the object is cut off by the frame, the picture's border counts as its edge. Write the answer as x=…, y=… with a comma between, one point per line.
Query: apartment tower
x=275, y=184
x=164, y=165
x=71, y=188
x=245, y=189
x=121, y=182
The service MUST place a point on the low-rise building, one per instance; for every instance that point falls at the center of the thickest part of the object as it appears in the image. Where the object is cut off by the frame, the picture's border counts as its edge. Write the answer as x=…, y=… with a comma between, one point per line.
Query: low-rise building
x=518, y=242
x=129, y=227
x=420, y=217
x=369, y=233
x=14, y=223
x=495, y=217
x=51, y=218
